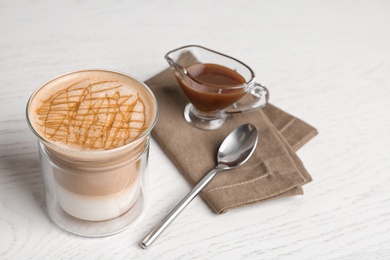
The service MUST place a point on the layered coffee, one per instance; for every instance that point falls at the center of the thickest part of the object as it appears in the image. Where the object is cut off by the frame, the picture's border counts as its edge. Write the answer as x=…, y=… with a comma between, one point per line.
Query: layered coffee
x=94, y=126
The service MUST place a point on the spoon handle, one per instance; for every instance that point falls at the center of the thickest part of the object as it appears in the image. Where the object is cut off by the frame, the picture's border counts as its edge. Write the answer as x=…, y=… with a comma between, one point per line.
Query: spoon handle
x=149, y=239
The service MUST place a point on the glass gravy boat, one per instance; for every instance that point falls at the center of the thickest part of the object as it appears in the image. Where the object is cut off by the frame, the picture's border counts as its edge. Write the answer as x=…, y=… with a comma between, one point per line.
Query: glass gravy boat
x=216, y=85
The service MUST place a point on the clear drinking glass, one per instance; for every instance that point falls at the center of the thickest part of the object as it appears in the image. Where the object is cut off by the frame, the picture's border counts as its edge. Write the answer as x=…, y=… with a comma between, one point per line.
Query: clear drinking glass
x=95, y=192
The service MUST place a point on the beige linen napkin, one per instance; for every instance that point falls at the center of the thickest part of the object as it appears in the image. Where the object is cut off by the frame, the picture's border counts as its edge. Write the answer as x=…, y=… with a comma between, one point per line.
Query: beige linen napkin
x=273, y=171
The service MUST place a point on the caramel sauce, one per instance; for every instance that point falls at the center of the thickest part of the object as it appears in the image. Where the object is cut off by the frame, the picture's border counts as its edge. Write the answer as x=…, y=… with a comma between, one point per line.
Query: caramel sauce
x=211, y=87
x=92, y=115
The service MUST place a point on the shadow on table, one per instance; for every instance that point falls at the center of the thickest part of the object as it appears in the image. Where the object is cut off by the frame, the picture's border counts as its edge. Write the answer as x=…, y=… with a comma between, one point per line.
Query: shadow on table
x=21, y=172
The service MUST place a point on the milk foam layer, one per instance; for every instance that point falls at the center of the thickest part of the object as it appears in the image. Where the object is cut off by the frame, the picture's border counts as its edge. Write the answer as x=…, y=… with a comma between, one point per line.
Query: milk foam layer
x=91, y=110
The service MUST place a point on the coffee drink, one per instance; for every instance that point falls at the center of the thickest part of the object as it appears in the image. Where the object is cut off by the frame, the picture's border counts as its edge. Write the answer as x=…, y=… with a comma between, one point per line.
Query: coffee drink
x=94, y=126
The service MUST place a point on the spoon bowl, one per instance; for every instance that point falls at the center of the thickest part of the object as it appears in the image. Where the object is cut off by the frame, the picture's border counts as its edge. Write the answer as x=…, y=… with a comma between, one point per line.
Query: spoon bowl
x=234, y=151
x=238, y=146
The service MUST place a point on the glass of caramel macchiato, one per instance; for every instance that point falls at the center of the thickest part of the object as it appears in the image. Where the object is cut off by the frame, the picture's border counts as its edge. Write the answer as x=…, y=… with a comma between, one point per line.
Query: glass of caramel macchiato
x=93, y=130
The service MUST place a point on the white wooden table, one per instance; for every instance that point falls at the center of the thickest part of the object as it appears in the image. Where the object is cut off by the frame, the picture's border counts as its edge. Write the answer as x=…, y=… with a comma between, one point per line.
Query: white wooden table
x=327, y=62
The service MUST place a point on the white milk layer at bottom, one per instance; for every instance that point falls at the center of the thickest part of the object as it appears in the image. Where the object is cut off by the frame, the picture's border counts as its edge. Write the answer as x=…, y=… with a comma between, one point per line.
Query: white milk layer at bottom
x=98, y=208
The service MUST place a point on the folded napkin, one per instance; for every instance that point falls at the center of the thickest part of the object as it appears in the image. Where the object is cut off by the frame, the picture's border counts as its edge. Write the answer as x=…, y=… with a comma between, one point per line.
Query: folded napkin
x=273, y=171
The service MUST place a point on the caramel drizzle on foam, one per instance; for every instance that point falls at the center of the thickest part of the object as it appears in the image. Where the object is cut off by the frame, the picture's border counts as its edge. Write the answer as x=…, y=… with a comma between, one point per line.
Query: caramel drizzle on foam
x=94, y=117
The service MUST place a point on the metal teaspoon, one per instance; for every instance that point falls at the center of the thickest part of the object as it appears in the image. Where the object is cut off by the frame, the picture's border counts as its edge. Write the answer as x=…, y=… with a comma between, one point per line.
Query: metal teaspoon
x=234, y=151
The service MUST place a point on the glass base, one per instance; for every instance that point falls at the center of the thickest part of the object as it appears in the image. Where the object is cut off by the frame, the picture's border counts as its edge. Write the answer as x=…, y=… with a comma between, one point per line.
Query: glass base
x=95, y=228
x=202, y=120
